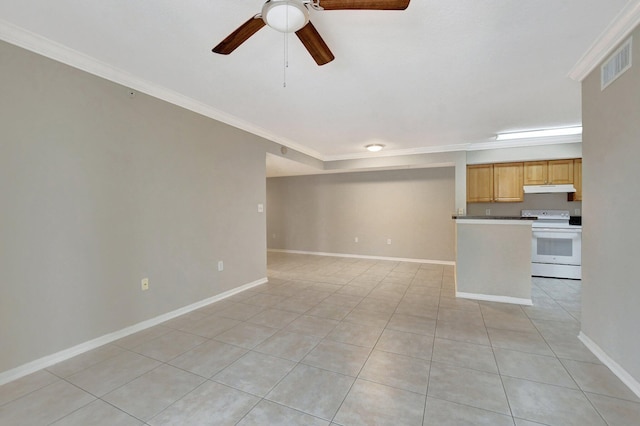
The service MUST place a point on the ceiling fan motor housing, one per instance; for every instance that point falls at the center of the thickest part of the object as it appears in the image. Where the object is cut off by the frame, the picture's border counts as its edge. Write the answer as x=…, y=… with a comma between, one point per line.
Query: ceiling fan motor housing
x=286, y=16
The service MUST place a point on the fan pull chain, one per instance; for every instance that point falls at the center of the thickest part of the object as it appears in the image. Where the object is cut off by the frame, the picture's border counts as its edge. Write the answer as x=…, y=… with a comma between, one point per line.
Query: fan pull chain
x=286, y=51
x=286, y=60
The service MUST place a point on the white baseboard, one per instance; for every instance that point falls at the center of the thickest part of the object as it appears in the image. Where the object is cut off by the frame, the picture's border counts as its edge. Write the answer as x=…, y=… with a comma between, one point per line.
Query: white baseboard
x=361, y=256
x=615, y=368
x=492, y=298
x=49, y=360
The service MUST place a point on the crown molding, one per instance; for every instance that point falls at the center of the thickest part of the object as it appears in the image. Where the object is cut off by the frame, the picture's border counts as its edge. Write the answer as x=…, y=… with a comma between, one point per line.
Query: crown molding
x=48, y=48
x=621, y=26
x=397, y=152
x=473, y=146
x=519, y=143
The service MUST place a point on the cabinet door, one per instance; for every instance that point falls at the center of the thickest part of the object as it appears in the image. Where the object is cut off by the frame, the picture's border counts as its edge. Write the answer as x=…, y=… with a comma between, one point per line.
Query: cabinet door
x=507, y=182
x=480, y=183
x=535, y=172
x=577, y=180
x=560, y=172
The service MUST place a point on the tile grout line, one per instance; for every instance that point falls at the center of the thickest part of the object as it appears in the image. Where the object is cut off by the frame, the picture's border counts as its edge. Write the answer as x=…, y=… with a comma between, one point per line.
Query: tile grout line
x=433, y=344
x=562, y=364
x=504, y=389
x=332, y=420
x=368, y=356
x=298, y=363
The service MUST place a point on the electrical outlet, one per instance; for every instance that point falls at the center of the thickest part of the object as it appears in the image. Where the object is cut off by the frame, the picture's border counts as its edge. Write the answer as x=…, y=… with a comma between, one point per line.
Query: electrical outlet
x=220, y=266
x=355, y=240
x=388, y=240
x=487, y=212
x=144, y=284
x=576, y=212
x=260, y=208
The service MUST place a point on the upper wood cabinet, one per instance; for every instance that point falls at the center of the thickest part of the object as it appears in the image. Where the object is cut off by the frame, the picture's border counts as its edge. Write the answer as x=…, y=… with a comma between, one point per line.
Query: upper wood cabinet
x=577, y=180
x=503, y=182
x=561, y=172
x=536, y=172
x=553, y=172
x=495, y=183
x=480, y=183
x=508, y=182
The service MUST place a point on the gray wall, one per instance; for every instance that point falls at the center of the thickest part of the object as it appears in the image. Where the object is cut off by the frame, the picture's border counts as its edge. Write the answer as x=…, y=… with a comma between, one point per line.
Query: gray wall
x=457, y=159
x=323, y=213
x=611, y=291
x=99, y=190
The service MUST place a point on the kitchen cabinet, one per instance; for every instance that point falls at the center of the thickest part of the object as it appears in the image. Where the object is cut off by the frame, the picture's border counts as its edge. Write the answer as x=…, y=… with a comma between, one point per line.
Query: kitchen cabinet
x=535, y=172
x=500, y=183
x=552, y=172
x=577, y=180
x=561, y=172
x=480, y=183
x=507, y=182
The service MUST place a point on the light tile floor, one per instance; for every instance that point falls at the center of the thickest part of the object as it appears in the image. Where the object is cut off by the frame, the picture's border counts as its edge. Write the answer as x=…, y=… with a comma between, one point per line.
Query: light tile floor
x=342, y=342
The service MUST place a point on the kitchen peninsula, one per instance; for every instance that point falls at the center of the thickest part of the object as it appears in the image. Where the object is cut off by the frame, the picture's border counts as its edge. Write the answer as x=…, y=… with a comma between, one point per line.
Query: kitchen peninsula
x=493, y=258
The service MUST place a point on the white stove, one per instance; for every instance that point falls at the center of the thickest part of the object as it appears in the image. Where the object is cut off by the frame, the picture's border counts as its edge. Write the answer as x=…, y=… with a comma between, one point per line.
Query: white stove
x=556, y=247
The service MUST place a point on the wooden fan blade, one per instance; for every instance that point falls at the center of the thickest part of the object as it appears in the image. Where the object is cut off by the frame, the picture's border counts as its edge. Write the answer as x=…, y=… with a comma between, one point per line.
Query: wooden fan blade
x=316, y=46
x=239, y=36
x=364, y=4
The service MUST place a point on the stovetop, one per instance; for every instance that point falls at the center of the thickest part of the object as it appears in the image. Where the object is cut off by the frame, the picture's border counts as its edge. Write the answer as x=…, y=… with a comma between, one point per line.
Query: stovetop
x=547, y=214
x=551, y=219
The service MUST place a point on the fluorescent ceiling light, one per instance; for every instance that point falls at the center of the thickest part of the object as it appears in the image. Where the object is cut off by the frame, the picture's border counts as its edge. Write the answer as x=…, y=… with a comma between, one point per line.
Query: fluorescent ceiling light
x=564, y=131
x=374, y=147
x=286, y=16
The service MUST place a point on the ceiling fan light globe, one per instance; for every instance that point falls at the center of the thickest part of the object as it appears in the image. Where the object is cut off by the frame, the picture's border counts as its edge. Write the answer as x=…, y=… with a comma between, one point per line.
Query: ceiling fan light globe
x=285, y=16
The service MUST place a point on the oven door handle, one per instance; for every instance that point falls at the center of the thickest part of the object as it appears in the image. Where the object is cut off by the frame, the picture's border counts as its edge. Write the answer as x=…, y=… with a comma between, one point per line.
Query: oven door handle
x=558, y=230
x=556, y=234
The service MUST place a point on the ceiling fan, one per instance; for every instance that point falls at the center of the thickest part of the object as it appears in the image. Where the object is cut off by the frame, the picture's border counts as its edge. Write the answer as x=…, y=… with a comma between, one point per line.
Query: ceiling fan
x=290, y=16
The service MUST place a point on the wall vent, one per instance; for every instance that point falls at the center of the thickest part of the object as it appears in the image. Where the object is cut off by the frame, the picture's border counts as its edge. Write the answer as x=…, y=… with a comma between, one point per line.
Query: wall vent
x=616, y=65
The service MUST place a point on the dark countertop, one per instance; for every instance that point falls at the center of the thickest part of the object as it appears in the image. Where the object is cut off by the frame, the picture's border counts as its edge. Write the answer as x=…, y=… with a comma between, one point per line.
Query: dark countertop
x=456, y=216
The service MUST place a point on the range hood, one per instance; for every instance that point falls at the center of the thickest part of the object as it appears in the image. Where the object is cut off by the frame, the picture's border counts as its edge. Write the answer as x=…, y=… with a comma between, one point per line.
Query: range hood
x=548, y=189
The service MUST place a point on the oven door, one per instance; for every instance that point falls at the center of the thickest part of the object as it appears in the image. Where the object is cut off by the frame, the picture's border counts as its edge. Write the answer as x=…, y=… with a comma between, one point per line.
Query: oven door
x=556, y=246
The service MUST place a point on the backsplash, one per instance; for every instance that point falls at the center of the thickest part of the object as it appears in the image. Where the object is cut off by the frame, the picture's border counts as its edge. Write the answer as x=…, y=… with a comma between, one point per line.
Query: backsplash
x=531, y=202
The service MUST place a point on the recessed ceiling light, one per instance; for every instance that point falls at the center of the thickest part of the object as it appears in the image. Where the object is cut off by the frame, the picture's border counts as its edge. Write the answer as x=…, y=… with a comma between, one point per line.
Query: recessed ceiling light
x=374, y=147
x=564, y=131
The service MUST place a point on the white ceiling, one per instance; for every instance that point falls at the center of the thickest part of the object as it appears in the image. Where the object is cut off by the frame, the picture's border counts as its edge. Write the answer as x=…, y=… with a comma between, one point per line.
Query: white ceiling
x=440, y=74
